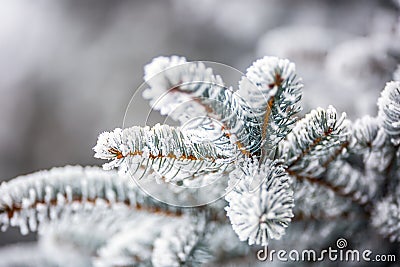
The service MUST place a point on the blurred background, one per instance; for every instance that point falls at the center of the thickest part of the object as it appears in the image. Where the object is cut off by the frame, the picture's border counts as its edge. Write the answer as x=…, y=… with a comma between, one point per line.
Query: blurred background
x=69, y=68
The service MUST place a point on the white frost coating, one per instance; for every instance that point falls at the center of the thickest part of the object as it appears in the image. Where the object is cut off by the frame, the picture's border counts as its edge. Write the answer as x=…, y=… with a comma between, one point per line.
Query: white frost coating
x=333, y=171
x=314, y=140
x=189, y=90
x=264, y=77
x=369, y=139
x=25, y=204
x=181, y=245
x=362, y=185
x=389, y=110
x=174, y=83
x=312, y=200
x=154, y=71
x=365, y=131
x=261, y=213
x=169, y=151
x=272, y=90
x=132, y=244
x=386, y=218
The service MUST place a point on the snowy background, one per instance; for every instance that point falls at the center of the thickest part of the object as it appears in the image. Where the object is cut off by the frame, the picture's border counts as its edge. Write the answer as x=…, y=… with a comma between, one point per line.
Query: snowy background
x=68, y=68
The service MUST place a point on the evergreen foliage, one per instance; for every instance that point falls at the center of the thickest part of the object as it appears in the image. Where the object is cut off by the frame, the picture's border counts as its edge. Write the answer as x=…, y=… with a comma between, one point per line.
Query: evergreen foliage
x=282, y=173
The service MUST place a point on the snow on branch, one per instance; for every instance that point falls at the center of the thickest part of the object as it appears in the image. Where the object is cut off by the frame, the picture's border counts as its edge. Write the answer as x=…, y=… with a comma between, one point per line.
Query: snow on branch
x=316, y=140
x=366, y=133
x=386, y=218
x=187, y=90
x=89, y=230
x=133, y=243
x=260, y=202
x=389, y=110
x=370, y=141
x=184, y=244
x=174, y=83
x=249, y=139
x=315, y=202
x=156, y=241
x=272, y=90
x=168, y=151
x=348, y=181
x=30, y=200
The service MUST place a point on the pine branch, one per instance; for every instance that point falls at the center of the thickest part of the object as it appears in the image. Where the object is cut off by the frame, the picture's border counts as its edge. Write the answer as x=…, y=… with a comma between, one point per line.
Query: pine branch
x=316, y=140
x=187, y=90
x=316, y=202
x=173, y=82
x=79, y=235
x=226, y=245
x=90, y=229
x=167, y=151
x=370, y=142
x=348, y=181
x=154, y=241
x=340, y=173
x=182, y=245
x=27, y=201
x=315, y=149
x=273, y=91
x=260, y=202
x=386, y=218
x=372, y=145
x=389, y=110
x=321, y=158
x=133, y=245
x=345, y=181
x=366, y=133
